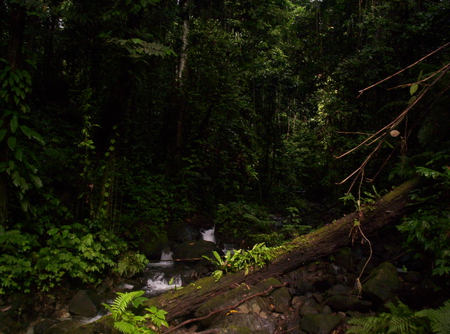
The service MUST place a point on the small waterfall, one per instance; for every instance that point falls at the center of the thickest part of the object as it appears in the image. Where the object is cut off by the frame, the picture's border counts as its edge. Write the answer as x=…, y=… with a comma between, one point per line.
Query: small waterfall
x=166, y=259
x=159, y=283
x=208, y=235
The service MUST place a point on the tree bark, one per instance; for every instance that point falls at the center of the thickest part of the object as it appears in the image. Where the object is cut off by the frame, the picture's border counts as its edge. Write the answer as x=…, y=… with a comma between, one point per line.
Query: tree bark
x=305, y=249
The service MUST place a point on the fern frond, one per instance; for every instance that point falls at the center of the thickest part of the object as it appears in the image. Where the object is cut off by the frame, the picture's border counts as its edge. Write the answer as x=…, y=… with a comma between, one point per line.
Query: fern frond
x=367, y=325
x=126, y=327
x=122, y=301
x=407, y=325
x=440, y=318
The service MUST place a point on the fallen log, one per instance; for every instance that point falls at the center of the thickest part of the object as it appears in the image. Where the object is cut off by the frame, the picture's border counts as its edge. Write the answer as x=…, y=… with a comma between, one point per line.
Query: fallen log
x=320, y=243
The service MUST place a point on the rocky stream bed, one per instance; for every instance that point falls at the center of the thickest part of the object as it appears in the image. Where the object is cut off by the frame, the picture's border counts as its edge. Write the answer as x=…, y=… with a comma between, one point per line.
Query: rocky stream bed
x=318, y=298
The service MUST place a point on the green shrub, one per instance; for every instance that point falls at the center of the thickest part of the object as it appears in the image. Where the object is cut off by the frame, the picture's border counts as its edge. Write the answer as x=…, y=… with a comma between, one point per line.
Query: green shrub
x=427, y=230
x=240, y=220
x=402, y=320
x=68, y=251
x=245, y=260
x=130, y=323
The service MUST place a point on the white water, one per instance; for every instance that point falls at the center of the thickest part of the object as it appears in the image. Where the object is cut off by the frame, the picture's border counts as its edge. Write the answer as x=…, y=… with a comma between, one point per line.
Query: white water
x=208, y=235
x=166, y=259
x=160, y=283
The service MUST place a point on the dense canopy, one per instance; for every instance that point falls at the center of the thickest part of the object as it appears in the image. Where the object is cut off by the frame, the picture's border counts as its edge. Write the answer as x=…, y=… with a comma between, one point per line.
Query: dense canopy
x=124, y=117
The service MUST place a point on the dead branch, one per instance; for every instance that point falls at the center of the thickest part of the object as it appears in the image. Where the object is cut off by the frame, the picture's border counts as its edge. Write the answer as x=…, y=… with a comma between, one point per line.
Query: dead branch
x=227, y=308
x=381, y=134
x=404, y=69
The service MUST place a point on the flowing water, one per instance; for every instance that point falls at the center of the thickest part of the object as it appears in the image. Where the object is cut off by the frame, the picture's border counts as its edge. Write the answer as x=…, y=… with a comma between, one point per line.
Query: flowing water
x=168, y=274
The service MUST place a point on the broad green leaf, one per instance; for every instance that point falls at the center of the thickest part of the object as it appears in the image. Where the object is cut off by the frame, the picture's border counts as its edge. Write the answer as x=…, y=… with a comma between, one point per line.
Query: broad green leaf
x=23, y=183
x=18, y=153
x=26, y=130
x=413, y=89
x=25, y=205
x=37, y=136
x=14, y=123
x=53, y=231
x=3, y=166
x=12, y=141
x=36, y=180
x=2, y=134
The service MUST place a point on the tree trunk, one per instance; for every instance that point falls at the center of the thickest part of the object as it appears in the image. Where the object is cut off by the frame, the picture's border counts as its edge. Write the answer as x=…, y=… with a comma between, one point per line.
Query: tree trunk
x=313, y=246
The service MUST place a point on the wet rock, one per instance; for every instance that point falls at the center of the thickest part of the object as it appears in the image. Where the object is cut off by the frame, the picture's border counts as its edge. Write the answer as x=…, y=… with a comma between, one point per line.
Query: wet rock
x=194, y=249
x=345, y=303
x=63, y=327
x=232, y=297
x=244, y=323
x=279, y=298
x=42, y=326
x=293, y=324
x=309, y=306
x=413, y=277
x=320, y=323
x=85, y=303
x=150, y=246
x=383, y=283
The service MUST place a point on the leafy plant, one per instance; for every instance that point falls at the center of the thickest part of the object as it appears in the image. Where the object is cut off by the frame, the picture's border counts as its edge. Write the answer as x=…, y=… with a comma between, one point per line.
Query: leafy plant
x=68, y=251
x=257, y=257
x=402, y=320
x=129, y=323
x=242, y=220
x=427, y=229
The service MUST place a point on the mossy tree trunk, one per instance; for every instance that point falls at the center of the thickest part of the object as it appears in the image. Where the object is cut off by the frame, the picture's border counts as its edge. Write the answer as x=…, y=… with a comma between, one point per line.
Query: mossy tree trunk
x=311, y=247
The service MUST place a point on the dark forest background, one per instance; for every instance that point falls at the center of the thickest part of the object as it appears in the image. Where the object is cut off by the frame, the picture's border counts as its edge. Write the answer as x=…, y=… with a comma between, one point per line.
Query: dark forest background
x=126, y=119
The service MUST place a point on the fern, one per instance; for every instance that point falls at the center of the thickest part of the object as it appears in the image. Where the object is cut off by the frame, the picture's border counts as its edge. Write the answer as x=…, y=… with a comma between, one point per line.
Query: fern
x=123, y=300
x=440, y=318
x=129, y=323
x=400, y=320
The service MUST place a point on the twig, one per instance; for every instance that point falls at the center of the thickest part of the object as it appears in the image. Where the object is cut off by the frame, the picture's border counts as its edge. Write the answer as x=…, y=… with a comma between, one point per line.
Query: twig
x=404, y=69
x=226, y=308
x=383, y=132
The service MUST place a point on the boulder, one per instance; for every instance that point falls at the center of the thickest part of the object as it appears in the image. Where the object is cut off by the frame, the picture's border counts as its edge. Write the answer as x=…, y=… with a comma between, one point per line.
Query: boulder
x=320, y=323
x=382, y=284
x=152, y=246
x=194, y=249
x=278, y=299
x=43, y=325
x=85, y=303
x=244, y=323
x=348, y=303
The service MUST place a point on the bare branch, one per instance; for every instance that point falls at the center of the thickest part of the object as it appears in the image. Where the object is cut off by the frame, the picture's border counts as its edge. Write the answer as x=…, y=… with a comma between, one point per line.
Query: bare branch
x=404, y=69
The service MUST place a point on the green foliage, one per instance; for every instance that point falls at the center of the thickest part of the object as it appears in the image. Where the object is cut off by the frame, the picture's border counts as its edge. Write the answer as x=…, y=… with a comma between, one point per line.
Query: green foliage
x=240, y=220
x=439, y=318
x=129, y=323
x=402, y=320
x=70, y=251
x=427, y=229
x=18, y=162
x=130, y=264
x=239, y=260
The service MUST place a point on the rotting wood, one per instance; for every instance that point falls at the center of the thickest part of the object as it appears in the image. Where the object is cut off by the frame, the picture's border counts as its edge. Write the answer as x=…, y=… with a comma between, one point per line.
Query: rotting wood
x=265, y=292
x=320, y=243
